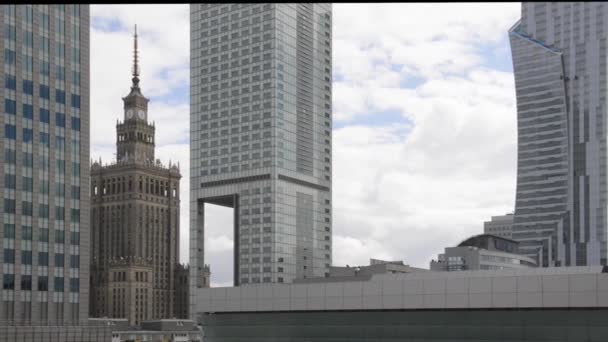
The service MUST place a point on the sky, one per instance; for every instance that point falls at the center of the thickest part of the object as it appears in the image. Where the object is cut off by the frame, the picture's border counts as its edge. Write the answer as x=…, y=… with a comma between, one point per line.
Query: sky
x=424, y=121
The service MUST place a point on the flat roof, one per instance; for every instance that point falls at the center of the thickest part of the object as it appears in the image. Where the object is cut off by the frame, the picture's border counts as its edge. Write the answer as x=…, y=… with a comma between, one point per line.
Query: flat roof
x=517, y=288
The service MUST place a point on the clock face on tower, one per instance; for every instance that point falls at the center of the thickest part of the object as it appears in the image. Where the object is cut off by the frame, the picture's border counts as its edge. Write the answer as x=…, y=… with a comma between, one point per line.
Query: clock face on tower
x=129, y=113
x=141, y=114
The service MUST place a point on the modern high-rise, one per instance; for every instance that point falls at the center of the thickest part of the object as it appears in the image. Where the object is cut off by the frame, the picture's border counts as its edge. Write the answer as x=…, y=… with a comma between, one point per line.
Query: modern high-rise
x=500, y=226
x=559, y=60
x=134, y=221
x=44, y=164
x=260, y=131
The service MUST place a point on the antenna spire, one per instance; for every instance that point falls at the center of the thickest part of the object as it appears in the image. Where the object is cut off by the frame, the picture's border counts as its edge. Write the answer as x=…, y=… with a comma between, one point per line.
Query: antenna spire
x=135, y=70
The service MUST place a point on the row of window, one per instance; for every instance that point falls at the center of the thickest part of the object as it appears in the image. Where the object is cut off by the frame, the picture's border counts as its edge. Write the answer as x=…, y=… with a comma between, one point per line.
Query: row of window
x=8, y=283
x=10, y=106
x=43, y=257
x=27, y=209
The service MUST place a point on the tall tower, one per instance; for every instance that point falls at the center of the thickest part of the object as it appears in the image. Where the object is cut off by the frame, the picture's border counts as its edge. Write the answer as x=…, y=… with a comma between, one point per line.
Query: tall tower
x=135, y=222
x=559, y=59
x=44, y=179
x=260, y=121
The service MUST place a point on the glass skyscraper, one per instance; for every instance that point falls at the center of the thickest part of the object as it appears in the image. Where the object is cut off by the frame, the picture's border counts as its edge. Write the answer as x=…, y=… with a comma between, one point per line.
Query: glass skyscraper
x=559, y=60
x=260, y=131
x=44, y=143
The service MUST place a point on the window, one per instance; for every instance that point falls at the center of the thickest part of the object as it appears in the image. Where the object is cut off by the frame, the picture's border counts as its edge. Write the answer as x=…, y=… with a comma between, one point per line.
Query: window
x=45, y=91
x=43, y=209
x=59, y=96
x=74, y=261
x=75, y=123
x=26, y=257
x=10, y=57
x=28, y=184
x=10, y=181
x=28, y=135
x=9, y=256
x=59, y=259
x=58, y=284
x=75, y=236
x=10, y=107
x=43, y=283
x=59, y=236
x=9, y=206
x=43, y=257
x=75, y=101
x=27, y=208
x=9, y=231
x=44, y=115
x=74, y=284
x=10, y=156
x=28, y=111
x=43, y=234
x=10, y=82
x=8, y=282
x=60, y=119
x=45, y=139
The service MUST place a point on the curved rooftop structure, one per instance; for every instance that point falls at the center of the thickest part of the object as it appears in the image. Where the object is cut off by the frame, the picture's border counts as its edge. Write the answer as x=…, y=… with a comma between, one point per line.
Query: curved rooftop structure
x=491, y=243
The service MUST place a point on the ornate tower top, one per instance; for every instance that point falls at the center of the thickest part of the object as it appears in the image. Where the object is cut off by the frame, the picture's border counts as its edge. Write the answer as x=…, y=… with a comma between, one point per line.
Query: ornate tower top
x=135, y=104
x=135, y=70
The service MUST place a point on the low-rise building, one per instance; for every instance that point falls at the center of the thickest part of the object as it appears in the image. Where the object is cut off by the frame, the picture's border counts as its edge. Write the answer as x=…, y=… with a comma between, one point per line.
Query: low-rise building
x=164, y=330
x=354, y=273
x=500, y=226
x=516, y=305
x=482, y=252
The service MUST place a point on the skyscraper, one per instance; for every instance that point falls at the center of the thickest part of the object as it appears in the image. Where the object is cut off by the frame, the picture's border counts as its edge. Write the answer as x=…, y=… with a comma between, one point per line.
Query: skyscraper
x=45, y=173
x=260, y=123
x=134, y=221
x=559, y=59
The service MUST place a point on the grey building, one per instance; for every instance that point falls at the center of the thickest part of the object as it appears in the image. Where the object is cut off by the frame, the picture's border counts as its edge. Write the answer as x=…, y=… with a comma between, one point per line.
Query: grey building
x=550, y=304
x=352, y=273
x=500, y=226
x=559, y=60
x=134, y=221
x=163, y=330
x=482, y=252
x=44, y=185
x=260, y=122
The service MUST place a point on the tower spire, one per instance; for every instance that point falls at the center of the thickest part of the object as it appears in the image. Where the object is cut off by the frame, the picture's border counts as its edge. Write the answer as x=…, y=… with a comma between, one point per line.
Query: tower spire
x=135, y=70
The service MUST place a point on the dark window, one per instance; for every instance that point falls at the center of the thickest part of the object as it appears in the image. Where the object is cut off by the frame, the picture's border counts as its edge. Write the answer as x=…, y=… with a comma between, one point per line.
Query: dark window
x=43, y=283
x=74, y=237
x=59, y=260
x=74, y=284
x=26, y=257
x=43, y=258
x=10, y=156
x=10, y=82
x=58, y=284
x=28, y=87
x=59, y=96
x=9, y=231
x=75, y=123
x=75, y=101
x=8, y=282
x=26, y=282
x=10, y=106
x=28, y=111
x=45, y=92
x=45, y=139
x=59, y=236
x=9, y=206
x=44, y=115
x=9, y=256
x=74, y=261
x=10, y=181
x=10, y=57
x=27, y=208
x=10, y=131
x=28, y=135
x=43, y=235
x=60, y=119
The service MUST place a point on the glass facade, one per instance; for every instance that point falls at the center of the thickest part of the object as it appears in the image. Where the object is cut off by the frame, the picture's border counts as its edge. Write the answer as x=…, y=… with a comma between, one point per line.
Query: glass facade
x=261, y=136
x=559, y=60
x=554, y=325
x=45, y=148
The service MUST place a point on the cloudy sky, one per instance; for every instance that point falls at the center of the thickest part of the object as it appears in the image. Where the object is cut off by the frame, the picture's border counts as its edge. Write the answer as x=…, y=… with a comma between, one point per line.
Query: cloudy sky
x=424, y=120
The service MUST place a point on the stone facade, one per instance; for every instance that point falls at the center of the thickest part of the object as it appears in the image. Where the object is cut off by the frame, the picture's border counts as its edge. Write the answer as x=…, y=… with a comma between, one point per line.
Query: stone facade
x=135, y=222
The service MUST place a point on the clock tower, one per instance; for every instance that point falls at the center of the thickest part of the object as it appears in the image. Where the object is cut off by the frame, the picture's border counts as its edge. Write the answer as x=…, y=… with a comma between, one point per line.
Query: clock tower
x=135, y=136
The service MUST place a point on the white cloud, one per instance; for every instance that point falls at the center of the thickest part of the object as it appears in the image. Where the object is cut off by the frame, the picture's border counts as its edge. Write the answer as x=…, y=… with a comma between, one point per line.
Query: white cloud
x=402, y=190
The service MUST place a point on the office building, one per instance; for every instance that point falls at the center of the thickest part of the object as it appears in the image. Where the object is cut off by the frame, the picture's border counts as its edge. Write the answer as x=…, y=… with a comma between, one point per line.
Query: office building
x=134, y=221
x=163, y=330
x=500, y=226
x=482, y=252
x=260, y=123
x=44, y=182
x=549, y=304
x=559, y=57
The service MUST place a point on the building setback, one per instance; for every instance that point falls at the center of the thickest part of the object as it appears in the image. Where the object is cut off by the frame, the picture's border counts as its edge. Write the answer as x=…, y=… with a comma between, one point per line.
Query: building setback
x=135, y=222
x=559, y=61
x=499, y=225
x=44, y=182
x=260, y=122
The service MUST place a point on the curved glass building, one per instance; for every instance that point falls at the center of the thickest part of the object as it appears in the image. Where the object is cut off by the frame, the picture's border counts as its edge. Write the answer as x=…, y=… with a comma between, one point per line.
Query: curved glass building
x=559, y=62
